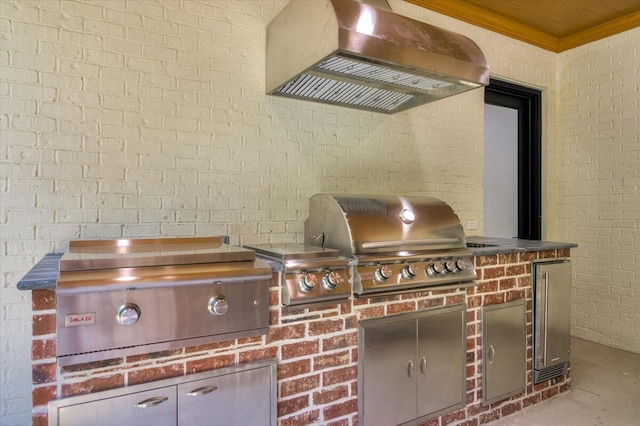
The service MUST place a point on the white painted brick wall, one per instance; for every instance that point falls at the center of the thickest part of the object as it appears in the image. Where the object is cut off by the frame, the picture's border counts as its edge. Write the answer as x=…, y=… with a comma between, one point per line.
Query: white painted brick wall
x=123, y=118
x=598, y=181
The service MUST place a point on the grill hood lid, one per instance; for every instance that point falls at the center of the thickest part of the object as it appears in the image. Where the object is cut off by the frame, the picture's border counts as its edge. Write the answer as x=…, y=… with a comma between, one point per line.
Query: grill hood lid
x=368, y=224
x=353, y=54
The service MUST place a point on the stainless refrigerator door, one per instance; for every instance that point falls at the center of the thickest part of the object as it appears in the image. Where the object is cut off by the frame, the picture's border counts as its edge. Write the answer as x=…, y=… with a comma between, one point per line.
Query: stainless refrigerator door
x=552, y=320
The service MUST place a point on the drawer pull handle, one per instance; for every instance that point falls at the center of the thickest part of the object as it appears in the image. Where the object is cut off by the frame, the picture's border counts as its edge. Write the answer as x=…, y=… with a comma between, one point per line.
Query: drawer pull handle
x=151, y=402
x=202, y=391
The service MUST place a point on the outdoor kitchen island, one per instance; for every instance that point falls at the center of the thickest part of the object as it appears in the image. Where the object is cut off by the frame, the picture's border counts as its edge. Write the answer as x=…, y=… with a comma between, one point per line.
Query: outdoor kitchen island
x=316, y=349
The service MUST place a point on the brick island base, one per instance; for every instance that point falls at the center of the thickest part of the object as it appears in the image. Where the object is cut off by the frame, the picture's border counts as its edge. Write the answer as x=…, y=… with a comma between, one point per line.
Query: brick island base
x=316, y=351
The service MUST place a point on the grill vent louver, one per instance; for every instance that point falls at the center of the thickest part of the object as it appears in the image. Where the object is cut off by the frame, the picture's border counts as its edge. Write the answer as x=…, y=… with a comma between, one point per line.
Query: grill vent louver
x=550, y=372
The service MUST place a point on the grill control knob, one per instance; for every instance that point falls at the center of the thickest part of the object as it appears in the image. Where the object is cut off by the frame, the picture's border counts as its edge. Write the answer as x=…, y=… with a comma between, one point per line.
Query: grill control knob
x=462, y=264
x=409, y=271
x=306, y=284
x=218, y=305
x=331, y=280
x=382, y=274
x=128, y=314
x=436, y=268
x=451, y=266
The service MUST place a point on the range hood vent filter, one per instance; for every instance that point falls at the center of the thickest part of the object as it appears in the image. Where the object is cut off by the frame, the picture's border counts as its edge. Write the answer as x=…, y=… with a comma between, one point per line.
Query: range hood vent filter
x=367, y=71
x=340, y=92
x=317, y=51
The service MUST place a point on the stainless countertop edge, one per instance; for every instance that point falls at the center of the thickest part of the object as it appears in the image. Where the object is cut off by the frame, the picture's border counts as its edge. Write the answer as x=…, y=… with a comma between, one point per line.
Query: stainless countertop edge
x=513, y=245
x=44, y=275
x=277, y=266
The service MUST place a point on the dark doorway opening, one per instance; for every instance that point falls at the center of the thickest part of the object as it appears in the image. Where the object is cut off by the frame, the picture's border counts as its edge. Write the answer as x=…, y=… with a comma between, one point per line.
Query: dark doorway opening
x=527, y=102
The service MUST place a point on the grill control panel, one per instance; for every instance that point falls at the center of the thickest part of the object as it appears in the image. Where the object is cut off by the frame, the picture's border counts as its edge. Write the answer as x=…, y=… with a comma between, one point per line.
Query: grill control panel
x=159, y=318
x=378, y=277
x=312, y=286
x=310, y=275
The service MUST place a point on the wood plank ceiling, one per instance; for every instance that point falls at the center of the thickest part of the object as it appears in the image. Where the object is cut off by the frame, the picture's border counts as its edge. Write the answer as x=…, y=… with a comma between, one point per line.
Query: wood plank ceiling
x=555, y=25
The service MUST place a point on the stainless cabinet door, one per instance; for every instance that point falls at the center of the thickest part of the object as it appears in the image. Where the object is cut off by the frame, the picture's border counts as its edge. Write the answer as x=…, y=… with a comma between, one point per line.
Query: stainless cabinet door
x=388, y=373
x=441, y=361
x=552, y=313
x=155, y=407
x=242, y=398
x=504, y=350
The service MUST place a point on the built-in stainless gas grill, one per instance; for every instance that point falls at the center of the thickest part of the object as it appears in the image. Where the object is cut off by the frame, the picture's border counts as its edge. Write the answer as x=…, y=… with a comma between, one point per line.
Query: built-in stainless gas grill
x=401, y=244
x=124, y=297
x=311, y=275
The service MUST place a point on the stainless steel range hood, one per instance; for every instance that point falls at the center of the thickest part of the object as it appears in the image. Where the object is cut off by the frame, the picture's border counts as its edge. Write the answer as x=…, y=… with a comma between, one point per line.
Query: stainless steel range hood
x=350, y=53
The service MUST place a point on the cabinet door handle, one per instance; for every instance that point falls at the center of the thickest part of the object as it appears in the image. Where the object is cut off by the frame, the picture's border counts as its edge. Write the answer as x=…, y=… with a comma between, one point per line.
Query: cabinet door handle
x=491, y=355
x=202, y=391
x=410, y=370
x=151, y=402
x=423, y=366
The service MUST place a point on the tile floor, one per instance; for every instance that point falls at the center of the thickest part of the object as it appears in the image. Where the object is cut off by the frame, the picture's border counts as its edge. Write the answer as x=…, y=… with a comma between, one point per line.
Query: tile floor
x=605, y=391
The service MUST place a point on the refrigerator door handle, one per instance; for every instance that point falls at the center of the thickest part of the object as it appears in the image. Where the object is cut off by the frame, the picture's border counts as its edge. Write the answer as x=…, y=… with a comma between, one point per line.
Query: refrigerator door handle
x=545, y=277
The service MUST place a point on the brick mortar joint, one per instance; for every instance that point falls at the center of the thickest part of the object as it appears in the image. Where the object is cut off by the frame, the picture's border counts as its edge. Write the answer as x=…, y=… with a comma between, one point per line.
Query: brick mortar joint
x=50, y=336
x=45, y=312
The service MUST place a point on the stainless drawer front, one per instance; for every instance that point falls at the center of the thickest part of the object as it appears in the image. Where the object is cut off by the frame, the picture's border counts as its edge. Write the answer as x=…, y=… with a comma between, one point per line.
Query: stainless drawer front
x=240, y=399
x=155, y=407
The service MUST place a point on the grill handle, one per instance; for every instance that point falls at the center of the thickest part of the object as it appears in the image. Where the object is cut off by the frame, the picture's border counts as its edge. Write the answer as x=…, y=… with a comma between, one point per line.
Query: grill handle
x=409, y=243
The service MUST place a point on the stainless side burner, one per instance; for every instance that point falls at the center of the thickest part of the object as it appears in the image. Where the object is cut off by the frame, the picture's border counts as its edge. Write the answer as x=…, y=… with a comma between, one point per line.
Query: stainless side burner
x=311, y=276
